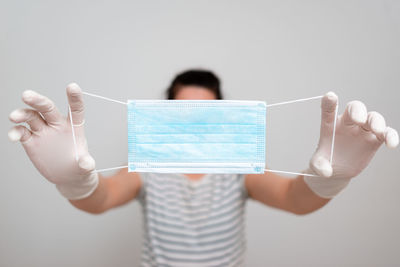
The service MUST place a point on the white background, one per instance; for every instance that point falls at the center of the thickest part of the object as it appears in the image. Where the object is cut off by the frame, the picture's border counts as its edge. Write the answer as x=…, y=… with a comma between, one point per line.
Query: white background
x=262, y=50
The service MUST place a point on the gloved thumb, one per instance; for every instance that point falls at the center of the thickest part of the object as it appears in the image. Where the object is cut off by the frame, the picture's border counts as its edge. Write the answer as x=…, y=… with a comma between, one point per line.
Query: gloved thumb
x=328, y=113
x=86, y=163
x=321, y=166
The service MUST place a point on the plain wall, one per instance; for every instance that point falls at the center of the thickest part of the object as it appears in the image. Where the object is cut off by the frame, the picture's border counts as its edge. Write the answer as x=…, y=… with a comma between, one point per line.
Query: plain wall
x=262, y=50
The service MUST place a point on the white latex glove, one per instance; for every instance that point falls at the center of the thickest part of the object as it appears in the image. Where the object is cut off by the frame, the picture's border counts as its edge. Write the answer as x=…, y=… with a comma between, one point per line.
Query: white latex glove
x=358, y=136
x=49, y=145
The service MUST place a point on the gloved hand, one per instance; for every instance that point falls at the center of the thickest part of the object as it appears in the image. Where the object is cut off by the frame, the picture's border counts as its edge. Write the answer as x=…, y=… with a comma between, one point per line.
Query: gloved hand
x=49, y=144
x=358, y=136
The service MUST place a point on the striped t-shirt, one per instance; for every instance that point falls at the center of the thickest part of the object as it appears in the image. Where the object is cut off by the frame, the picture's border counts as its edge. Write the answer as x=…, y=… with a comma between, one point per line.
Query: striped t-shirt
x=193, y=223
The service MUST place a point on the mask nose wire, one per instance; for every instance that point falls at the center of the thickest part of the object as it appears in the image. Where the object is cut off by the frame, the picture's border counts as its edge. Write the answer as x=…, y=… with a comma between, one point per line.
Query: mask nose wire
x=333, y=132
x=268, y=106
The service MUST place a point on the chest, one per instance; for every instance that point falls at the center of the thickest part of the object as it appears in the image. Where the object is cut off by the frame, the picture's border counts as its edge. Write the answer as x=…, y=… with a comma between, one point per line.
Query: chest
x=173, y=202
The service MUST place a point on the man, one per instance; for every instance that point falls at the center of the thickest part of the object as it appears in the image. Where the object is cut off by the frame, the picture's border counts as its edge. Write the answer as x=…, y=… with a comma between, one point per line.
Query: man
x=195, y=219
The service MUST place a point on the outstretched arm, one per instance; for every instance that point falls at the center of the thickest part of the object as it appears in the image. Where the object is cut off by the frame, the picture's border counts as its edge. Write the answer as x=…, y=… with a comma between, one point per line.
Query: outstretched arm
x=111, y=192
x=288, y=194
x=359, y=134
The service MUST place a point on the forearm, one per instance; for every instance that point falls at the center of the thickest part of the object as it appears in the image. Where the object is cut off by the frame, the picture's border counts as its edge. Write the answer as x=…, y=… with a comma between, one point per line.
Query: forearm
x=289, y=194
x=96, y=203
x=111, y=192
x=301, y=199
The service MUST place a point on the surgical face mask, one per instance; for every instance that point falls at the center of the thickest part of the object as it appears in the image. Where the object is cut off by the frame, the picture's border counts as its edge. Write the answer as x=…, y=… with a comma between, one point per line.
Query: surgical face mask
x=196, y=136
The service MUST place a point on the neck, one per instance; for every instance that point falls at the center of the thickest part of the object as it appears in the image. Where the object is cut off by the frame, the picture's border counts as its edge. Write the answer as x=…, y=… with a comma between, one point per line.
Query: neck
x=194, y=176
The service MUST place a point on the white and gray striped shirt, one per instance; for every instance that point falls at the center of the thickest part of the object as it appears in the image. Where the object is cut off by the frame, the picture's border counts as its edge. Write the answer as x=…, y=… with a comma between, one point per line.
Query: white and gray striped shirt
x=193, y=223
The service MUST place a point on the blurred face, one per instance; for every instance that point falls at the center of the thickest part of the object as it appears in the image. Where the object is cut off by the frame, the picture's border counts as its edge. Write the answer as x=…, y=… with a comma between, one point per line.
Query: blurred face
x=191, y=92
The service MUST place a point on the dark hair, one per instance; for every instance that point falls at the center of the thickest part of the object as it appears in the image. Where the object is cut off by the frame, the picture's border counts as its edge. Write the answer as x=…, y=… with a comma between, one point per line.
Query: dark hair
x=202, y=78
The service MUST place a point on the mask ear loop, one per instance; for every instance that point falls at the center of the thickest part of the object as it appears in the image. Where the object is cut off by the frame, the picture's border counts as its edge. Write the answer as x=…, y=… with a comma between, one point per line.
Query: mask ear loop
x=333, y=133
x=73, y=134
x=73, y=130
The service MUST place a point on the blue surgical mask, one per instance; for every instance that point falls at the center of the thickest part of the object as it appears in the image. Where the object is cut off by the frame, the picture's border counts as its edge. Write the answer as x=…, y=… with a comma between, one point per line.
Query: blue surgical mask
x=196, y=136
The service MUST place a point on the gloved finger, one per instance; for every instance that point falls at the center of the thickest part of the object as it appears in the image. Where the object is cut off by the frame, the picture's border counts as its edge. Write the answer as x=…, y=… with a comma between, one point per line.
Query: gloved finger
x=391, y=137
x=29, y=116
x=75, y=101
x=328, y=107
x=19, y=133
x=321, y=166
x=43, y=105
x=328, y=110
x=355, y=114
x=86, y=163
x=376, y=124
